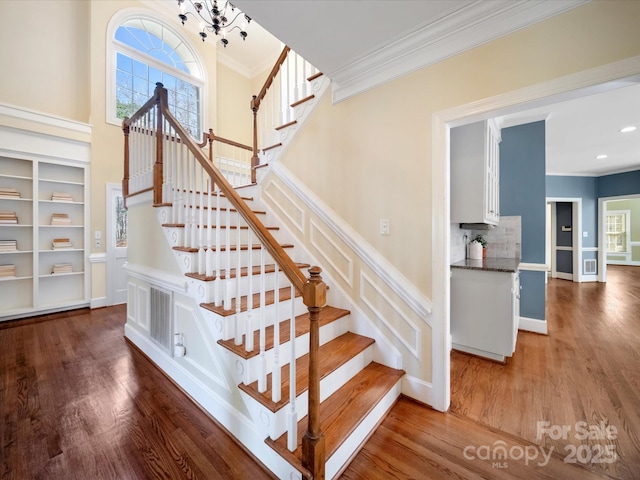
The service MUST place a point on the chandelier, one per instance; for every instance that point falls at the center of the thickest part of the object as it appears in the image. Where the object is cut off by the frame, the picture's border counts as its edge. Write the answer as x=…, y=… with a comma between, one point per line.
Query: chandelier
x=214, y=19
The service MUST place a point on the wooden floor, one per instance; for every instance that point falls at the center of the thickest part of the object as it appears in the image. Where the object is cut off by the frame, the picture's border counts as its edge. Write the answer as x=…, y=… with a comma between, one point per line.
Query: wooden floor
x=586, y=370
x=77, y=401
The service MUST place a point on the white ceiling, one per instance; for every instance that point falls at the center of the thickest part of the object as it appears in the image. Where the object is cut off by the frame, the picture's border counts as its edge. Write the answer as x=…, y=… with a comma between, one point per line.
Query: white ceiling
x=350, y=34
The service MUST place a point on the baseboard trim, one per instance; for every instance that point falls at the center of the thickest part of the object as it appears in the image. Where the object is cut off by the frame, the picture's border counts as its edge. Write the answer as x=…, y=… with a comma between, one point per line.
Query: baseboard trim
x=417, y=389
x=564, y=276
x=533, y=325
x=589, y=278
x=98, y=302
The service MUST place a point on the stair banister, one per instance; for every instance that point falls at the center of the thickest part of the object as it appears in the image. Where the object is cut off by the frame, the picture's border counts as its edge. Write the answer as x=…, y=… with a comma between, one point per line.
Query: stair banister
x=255, y=106
x=313, y=290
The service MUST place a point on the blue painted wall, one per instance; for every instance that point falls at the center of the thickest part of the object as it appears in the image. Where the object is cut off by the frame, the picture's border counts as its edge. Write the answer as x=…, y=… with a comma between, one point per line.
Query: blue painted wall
x=619, y=184
x=579, y=187
x=523, y=193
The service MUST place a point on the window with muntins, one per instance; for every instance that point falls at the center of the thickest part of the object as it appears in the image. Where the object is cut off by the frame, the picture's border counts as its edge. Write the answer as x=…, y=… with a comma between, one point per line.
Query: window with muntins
x=147, y=52
x=617, y=232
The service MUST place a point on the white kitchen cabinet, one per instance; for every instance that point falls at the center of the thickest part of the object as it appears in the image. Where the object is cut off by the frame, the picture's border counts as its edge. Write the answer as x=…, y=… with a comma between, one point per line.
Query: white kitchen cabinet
x=485, y=309
x=475, y=173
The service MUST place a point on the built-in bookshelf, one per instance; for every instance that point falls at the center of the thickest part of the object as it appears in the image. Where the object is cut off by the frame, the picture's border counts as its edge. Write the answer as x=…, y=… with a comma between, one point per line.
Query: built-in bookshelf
x=43, y=235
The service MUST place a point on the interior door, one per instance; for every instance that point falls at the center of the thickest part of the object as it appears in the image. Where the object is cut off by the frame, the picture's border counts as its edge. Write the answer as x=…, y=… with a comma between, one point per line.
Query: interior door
x=116, y=243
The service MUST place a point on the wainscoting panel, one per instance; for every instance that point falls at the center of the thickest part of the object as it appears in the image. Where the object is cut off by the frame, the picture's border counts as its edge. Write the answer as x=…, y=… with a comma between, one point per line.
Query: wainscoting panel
x=285, y=204
x=331, y=252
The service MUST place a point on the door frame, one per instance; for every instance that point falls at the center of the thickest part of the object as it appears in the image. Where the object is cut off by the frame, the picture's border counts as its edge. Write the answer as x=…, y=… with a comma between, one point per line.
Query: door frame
x=576, y=234
x=587, y=82
x=602, y=240
x=112, y=190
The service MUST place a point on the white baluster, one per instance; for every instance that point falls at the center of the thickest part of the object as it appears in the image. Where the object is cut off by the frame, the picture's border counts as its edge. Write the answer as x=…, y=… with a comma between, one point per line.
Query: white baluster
x=201, y=228
x=217, y=294
x=276, y=382
x=209, y=253
x=295, y=78
x=249, y=326
x=238, y=340
x=262, y=372
x=194, y=204
x=227, y=295
x=292, y=418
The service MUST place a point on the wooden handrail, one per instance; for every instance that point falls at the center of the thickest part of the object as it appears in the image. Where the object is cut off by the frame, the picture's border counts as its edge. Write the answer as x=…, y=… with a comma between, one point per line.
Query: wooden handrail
x=288, y=266
x=255, y=103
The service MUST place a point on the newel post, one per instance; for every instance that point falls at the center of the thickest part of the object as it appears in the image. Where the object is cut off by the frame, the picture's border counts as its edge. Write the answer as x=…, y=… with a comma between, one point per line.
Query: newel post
x=125, y=179
x=161, y=102
x=313, y=450
x=255, y=160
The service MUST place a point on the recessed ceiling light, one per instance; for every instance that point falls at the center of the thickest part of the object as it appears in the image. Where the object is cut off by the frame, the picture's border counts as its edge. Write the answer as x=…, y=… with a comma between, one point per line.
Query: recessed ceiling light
x=628, y=129
x=602, y=157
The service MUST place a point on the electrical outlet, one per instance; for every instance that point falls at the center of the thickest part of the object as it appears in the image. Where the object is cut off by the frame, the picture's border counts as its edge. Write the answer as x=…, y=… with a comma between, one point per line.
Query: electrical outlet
x=585, y=234
x=98, y=243
x=97, y=234
x=384, y=227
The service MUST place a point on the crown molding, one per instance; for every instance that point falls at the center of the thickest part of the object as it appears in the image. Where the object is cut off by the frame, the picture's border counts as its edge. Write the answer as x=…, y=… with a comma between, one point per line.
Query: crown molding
x=34, y=116
x=476, y=24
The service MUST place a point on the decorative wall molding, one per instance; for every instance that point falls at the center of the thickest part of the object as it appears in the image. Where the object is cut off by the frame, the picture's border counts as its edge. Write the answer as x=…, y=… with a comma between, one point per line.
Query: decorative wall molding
x=474, y=25
x=297, y=222
x=30, y=145
x=534, y=267
x=412, y=344
x=533, y=325
x=95, y=258
x=564, y=248
x=589, y=249
x=42, y=118
x=157, y=277
x=98, y=302
x=315, y=234
x=385, y=270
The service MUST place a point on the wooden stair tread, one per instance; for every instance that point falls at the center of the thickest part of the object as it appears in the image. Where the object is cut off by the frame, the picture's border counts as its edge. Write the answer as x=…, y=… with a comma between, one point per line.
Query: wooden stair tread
x=255, y=246
x=342, y=412
x=302, y=100
x=328, y=315
x=272, y=147
x=243, y=272
x=285, y=294
x=332, y=355
x=285, y=125
x=223, y=209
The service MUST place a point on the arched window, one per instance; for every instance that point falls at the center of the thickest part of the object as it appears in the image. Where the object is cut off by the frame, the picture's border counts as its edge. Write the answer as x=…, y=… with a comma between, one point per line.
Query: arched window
x=147, y=52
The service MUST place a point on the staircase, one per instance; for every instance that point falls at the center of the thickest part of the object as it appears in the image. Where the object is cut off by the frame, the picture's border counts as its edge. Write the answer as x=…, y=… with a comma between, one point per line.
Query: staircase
x=310, y=384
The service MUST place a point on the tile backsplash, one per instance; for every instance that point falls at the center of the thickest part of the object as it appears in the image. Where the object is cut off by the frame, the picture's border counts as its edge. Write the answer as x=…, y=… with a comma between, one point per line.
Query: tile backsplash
x=503, y=241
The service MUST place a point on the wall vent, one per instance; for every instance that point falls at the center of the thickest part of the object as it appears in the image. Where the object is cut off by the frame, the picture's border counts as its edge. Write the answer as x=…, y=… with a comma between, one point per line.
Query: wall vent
x=161, y=325
x=590, y=266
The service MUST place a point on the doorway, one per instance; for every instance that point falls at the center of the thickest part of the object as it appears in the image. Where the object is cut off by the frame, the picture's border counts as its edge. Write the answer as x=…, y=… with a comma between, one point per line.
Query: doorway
x=116, y=244
x=564, y=238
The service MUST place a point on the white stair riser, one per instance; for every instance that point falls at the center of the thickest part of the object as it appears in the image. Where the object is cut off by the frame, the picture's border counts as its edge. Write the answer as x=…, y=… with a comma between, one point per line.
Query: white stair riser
x=205, y=292
x=226, y=326
x=189, y=261
x=247, y=370
x=275, y=423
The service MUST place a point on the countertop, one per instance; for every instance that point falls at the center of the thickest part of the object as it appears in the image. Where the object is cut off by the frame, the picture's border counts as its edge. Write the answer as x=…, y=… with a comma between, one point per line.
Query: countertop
x=508, y=265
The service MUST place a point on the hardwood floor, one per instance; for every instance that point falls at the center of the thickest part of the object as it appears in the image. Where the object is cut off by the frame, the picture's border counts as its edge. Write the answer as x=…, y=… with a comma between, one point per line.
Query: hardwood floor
x=78, y=401
x=586, y=370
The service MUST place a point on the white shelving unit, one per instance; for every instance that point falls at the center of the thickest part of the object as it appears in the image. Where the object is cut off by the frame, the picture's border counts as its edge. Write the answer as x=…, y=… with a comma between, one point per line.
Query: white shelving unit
x=35, y=289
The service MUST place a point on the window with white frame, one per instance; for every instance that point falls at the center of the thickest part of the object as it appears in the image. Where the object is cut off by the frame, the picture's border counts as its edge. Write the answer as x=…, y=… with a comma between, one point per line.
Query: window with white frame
x=617, y=228
x=147, y=52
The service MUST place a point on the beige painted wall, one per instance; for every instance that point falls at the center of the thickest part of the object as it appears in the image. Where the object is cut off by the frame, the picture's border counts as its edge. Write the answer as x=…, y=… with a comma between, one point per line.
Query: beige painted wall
x=45, y=56
x=369, y=158
x=234, y=114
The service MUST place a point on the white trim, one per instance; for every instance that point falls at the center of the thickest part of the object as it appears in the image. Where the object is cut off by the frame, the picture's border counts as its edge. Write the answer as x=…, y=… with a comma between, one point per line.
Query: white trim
x=417, y=388
x=95, y=258
x=533, y=325
x=35, y=116
x=136, y=200
x=602, y=237
x=570, y=86
x=634, y=244
x=564, y=249
x=385, y=270
x=564, y=276
x=98, y=302
x=523, y=120
x=591, y=278
x=589, y=249
x=466, y=28
x=157, y=277
x=534, y=267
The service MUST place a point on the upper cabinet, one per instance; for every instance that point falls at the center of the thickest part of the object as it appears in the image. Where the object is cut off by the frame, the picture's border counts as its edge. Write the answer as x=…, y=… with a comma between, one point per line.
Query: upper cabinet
x=475, y=173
